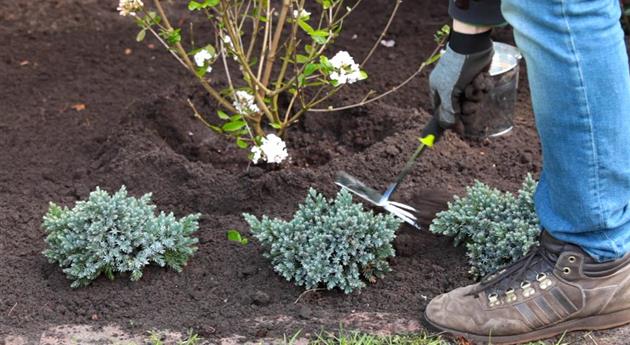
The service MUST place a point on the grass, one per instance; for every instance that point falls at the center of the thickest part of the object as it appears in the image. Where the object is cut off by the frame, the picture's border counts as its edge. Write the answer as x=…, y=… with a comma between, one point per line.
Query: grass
x=358, y=338
x=343, y=337
x=155, y=338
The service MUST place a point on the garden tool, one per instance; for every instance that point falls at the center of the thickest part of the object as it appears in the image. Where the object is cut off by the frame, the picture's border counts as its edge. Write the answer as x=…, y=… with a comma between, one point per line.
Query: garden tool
x=430, y=134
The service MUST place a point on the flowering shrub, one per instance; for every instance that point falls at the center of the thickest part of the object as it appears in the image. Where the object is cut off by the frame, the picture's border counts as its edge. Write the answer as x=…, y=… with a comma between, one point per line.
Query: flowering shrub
x=497, y=228
x=333, y=244
x=109, y=234
x=281, y=52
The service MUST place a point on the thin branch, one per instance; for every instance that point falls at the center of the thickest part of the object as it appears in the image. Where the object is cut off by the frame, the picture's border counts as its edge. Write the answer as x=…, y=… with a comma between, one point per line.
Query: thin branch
x=367, y=101
x=198, y=115
x=255, y=29
x=273, y=49
x=225, y=64
x=305, y=292
x=383, y=33
x=159, y=38
x=12, y=308
x=184, y=56
x=201, y=118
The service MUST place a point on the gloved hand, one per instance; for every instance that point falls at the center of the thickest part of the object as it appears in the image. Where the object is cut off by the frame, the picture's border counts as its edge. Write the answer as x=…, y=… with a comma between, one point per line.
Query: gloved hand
x=466, y=56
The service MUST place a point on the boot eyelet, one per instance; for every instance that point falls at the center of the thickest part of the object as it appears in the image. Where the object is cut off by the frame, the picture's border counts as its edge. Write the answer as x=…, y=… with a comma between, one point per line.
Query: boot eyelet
x=566, y=271
x=510, y=295
x=543, y=281
x=572, y=259
x=528, y=290
x=493, y=300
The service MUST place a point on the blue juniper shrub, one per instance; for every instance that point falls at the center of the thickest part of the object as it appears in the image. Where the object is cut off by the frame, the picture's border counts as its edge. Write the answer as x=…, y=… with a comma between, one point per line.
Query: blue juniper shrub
x=331, y=244
x=496, y=227
x=114, y=234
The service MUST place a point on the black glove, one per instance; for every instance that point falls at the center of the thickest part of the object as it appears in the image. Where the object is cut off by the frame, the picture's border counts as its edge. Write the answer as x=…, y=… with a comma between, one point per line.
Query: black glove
x=466, y=56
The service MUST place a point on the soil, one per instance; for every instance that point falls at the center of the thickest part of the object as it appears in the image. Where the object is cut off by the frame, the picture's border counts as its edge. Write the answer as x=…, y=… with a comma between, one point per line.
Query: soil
x=137, y=130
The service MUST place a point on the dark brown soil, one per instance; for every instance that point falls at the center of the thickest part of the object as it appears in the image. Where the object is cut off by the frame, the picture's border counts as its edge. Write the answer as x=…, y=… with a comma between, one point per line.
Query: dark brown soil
x=137, y=130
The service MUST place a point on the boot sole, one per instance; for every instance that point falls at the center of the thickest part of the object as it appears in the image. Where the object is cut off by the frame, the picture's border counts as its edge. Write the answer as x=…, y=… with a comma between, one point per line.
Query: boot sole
x=592, y=323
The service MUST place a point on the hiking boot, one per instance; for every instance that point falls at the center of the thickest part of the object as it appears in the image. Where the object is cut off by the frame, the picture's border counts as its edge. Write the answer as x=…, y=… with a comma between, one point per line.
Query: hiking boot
x=557, y=287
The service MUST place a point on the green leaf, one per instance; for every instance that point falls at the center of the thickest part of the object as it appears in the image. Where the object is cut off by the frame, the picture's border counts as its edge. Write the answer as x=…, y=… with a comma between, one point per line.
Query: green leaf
x=201, y=71
x=236, y=117
x=325, y=66
x=442, y=33
x=235, y=236
x=320, y=36
x=310, y=69
x=253, y=61
x=233, y=126
x=172, y=37
x=222, y=115
x=141, y=35
x=195, y=6
x=241, y=143
x=433, y=58
x=302, y=58
x=326, y=4
x=306, y=27
x=216, y=129
x=363, y=75
x=276, y=125
x=155, y=19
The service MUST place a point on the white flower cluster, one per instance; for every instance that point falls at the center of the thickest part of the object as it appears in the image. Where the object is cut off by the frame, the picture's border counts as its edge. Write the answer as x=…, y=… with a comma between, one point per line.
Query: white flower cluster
x=245, y=103
x=129, y=7
x=301, y=14
x=345, y=70
x=272, y=150
x=202, y=57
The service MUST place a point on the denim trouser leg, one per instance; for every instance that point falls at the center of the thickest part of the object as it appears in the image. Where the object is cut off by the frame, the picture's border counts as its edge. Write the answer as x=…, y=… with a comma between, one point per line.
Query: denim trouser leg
x=580, y=85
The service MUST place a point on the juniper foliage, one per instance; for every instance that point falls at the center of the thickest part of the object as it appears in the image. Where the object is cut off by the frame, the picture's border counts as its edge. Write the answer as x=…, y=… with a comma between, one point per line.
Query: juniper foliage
x=331, y=244
x=114, y=234
x=496, y=227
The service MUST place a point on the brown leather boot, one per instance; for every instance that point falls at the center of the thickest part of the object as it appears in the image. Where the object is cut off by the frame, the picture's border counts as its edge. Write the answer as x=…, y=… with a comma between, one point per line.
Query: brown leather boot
x=557, y=287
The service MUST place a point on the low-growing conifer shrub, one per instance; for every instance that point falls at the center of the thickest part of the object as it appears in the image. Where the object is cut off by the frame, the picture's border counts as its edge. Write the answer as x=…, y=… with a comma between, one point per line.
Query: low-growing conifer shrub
x=496, y=227
x=115, y=234
x=328, y=243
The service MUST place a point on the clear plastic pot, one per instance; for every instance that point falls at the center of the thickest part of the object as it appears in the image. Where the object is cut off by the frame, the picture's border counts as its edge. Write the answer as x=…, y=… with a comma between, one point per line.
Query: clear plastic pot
x=495, y=116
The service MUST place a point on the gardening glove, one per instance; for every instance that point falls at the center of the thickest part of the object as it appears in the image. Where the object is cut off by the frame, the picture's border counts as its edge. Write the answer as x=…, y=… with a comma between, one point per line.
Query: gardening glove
x=466, y=56
x=474, y=93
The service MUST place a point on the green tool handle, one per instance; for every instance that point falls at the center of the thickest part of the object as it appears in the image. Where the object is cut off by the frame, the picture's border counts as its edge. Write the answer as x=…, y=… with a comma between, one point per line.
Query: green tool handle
x=431, y=133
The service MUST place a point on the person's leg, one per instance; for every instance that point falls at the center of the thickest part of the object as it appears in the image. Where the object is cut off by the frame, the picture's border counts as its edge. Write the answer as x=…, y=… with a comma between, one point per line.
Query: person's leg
x=580, y=86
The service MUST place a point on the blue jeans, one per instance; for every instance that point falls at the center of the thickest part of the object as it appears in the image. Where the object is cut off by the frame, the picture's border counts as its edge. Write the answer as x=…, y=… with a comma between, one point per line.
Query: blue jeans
x=580, y=86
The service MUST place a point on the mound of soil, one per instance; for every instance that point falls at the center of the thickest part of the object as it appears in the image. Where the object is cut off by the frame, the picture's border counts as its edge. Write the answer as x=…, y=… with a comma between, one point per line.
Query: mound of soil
x=137, y=130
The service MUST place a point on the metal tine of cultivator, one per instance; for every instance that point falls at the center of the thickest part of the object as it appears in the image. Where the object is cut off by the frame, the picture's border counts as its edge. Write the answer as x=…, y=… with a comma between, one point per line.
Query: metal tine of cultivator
x=352, y=184
x=357, y=187
x=403, y=206
x=406, y=216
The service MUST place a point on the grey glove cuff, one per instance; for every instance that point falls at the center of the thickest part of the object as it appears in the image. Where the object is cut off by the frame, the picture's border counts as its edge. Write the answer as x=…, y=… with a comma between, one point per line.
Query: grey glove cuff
x=452, y=74
x=470, y=43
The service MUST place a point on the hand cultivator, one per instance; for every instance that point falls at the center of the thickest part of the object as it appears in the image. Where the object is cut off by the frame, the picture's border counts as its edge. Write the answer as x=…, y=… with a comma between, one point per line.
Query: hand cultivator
x=431, y=133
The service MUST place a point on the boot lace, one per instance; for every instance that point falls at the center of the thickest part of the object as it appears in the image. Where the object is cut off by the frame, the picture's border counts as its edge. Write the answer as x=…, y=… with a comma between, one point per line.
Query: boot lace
x=516, y=271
